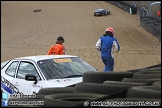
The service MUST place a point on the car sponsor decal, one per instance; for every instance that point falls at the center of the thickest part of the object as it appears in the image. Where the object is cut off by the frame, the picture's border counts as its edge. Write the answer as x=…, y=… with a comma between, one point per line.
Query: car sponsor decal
x=38, y=86
x=7, y=89
x=8, y=86
x=62, y=60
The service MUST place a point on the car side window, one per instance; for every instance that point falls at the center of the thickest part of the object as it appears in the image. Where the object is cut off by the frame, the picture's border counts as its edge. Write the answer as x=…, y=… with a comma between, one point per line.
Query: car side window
x=27, y=68
x=12, y=69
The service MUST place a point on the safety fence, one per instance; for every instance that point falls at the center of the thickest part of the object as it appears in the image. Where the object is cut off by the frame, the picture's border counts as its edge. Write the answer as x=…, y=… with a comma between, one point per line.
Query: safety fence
x=151, y=23
x=152, y=26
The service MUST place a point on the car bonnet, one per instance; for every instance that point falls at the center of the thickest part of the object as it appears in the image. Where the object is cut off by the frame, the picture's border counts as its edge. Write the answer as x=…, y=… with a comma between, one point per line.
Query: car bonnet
x=65, y=81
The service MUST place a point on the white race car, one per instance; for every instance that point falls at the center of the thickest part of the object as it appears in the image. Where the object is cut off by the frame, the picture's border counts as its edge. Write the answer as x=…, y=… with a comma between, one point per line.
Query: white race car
x=27, y=75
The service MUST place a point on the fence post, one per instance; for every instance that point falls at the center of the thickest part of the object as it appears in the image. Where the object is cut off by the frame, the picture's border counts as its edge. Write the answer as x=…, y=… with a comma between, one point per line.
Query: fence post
x=149, y=4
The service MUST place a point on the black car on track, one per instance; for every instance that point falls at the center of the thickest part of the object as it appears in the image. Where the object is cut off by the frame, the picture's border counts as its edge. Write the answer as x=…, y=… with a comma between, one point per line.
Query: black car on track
x=101, y=12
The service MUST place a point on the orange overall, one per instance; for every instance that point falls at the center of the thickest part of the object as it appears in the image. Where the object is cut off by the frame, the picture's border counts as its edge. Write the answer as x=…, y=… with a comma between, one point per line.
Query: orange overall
x=56, y=49
x=159, y=13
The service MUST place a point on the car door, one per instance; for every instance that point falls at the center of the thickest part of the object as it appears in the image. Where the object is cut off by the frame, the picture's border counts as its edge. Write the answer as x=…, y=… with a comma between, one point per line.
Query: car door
x=7, y=76
x=27, y=87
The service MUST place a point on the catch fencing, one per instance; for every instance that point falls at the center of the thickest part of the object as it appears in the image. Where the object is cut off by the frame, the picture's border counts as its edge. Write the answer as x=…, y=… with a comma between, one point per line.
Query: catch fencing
x=148, y=18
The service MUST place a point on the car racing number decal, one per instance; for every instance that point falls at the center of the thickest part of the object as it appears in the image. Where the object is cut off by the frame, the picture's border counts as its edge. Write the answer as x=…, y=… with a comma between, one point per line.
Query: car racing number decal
x=9, y=87
x=63, y=60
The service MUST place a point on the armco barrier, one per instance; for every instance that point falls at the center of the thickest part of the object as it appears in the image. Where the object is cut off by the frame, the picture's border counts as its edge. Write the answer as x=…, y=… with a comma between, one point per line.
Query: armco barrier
x=151, y=24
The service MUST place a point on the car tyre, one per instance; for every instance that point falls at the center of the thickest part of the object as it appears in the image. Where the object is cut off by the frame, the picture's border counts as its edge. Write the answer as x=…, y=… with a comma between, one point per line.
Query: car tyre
x=147, y=74
x=141, y=80
x=124, y=83
x=48, y=91
x=157, y=83
x=99, y=88
x=144, y=92
x=100, y=77
x=69, y=99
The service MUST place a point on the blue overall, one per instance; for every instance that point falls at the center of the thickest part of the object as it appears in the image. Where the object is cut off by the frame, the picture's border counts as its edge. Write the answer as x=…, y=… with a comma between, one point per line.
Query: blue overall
x=106, y=51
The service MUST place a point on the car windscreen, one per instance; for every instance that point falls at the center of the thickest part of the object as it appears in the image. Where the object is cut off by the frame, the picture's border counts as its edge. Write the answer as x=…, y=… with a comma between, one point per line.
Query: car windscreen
x=4, y=63
x=64, y=67
x=98, y=10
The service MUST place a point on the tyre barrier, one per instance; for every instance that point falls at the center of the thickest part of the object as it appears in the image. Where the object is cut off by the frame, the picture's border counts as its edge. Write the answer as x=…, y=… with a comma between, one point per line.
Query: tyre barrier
x=124, y=83
x=157, y=83
x=100, y=77
x=97, y=88
x=108, y=83
x=146, y=69
x=144, y=92
x=69, y=99
x=151, y=68
x=48, y=91
x=141, y=80
x=147, y=74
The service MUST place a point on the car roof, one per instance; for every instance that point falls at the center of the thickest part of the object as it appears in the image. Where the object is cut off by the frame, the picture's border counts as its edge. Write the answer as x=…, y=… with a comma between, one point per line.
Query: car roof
x=43, y=57
x=99, y=9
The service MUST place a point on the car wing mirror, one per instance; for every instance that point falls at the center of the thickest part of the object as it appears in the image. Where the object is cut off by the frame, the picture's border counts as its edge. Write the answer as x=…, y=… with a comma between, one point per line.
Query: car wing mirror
x=31, y=77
